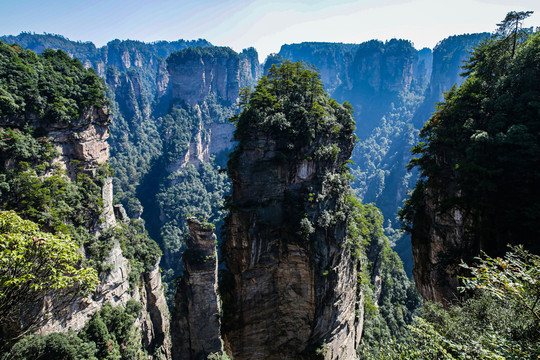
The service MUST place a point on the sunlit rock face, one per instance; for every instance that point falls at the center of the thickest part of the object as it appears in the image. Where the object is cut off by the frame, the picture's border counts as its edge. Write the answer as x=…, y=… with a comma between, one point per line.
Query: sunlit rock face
x=198, y=72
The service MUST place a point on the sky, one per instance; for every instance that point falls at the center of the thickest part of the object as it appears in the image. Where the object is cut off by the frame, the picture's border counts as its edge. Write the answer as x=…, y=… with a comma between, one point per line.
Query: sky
x=263, y=24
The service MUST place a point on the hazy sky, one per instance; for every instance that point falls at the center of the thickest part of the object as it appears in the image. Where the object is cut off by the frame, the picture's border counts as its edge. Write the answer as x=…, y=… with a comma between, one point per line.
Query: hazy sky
x=263, y=24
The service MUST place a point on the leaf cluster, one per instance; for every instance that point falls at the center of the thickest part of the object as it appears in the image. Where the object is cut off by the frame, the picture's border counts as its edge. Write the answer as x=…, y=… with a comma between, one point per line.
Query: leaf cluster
x=35, y=265
x=291, y=104
x=51, y=86
x=110, y=334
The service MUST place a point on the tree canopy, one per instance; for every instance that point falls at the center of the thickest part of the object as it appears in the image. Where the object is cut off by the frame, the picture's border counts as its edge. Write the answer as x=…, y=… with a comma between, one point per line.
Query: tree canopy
x=290, y=103
x=480, y=151
x=35, y=266
x=51, y=86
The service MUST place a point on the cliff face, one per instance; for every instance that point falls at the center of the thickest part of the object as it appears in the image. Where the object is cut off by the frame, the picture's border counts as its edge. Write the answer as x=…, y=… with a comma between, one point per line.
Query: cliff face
x=289, y=293
x=85, y=140
x=331, y=59
x=250, y=68
x=437, y=239
x=196, y=324
x=292, y=286
x=448, y=57
x=197, y=72
x=478, y=188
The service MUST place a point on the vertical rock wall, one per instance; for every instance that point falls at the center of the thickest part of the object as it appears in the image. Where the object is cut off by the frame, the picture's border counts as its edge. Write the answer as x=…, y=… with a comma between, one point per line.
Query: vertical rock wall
x=196, y=323
x=198, y=72
x=82, y=146
x=291, y=291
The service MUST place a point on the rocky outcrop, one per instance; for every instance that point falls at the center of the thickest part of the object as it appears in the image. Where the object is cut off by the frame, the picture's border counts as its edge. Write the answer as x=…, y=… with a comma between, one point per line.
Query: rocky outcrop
x=113, y=288
x=154, y=320
x=291, y=288
x=331, y=59
x=383, y=67
x=196, y=324
x=437, y=238
x=216, y=139
x=82, y=146
x=198, y=72
x=250, y=68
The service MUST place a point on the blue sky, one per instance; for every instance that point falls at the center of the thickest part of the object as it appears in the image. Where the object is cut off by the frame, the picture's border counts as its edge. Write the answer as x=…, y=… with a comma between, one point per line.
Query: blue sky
x=265, y=25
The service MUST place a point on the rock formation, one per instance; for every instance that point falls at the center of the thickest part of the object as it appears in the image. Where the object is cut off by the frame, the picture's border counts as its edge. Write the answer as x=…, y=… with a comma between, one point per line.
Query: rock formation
x=436, y=240
x=198, y=72
x=448, y=57
x=196, y=324
x=291, y=287
x=85, y=140
x=82, y=147
x=333, y=60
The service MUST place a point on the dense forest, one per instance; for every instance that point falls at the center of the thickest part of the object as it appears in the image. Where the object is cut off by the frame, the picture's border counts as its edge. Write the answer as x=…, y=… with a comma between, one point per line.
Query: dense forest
x=474, y=162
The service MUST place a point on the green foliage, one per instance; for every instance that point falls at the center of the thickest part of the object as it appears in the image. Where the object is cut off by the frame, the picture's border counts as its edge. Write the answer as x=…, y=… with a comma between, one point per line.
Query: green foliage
x=514, y=278
x=37, y=189
x=290, y=103
x=480, y=150
x=56, y=346
x=33, y=265
x=51, y=86
x=112, y=330
x=390, y=297
x=218, y=356
x=482, y=327
x=109, y=335
x=193, y=191
x=142, y=252
x=196, y=52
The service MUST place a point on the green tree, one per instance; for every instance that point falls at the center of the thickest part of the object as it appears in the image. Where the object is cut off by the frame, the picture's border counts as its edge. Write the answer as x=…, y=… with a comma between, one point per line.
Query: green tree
x=511, y=25
x=516, y=277
x=36, y=266
x=480, y=151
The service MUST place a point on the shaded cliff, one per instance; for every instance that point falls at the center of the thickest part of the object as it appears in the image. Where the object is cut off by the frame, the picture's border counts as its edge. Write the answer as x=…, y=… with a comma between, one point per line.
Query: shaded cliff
x=448, y=58
x=196, y=324
x=292, y=284
x=479, y=167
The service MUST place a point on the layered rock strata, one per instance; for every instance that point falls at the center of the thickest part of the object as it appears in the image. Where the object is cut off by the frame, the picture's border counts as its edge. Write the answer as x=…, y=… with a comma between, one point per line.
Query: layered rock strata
x=196, y=324
x=198, y=72
x=290, y=291
x=82, y=146
x=290, y=296
x=437, y=238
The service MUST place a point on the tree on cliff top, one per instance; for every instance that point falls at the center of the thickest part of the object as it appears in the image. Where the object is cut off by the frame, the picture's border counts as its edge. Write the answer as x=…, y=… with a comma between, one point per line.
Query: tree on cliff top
x=51, y=86
x=480, y=152
x=36, y=269
x=290, y=103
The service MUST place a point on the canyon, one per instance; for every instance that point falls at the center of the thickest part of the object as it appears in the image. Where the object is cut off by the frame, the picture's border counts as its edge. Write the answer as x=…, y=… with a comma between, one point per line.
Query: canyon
x=284, y=294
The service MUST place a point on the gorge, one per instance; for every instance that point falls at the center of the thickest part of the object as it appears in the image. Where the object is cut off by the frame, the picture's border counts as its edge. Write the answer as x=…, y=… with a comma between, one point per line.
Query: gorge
x=270, y=248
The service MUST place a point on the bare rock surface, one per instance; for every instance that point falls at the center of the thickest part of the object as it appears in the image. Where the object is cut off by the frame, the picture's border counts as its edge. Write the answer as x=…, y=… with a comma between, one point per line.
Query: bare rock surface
x=196, y=324
x=287, y=295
